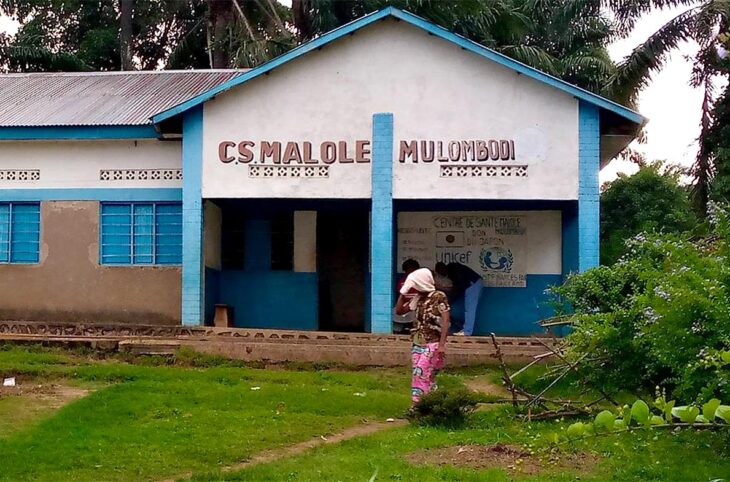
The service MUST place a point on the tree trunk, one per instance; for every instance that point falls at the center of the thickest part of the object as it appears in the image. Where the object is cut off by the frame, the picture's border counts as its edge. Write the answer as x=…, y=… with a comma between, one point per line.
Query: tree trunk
x=300, y=17
x=703, y=168
x=220, y=15
x=126, y=10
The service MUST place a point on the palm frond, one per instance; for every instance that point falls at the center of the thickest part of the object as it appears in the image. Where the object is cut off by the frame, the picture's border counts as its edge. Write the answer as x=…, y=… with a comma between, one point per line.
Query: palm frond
x=635, y=71
x=532, y=56
x=627, y=12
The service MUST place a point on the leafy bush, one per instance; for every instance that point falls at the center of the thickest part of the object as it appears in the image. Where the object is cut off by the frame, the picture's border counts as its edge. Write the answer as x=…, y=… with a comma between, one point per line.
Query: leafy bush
x=660, y=316
x=444, y=407
x=712, y=413
x=652, y=200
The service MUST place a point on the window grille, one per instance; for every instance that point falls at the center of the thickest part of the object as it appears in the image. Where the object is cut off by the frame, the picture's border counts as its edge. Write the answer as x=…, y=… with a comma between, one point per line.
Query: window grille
x=141, y=233
x=20, y=229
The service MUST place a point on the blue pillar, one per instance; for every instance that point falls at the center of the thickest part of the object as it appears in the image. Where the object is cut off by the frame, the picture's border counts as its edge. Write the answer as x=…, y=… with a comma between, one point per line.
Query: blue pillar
x=589, y=152
x=192, y=269
x=381, y=226
x=571, y=238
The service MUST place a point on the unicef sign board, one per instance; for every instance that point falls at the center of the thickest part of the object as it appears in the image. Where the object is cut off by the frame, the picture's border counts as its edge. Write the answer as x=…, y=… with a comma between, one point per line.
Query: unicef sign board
x=492, y=244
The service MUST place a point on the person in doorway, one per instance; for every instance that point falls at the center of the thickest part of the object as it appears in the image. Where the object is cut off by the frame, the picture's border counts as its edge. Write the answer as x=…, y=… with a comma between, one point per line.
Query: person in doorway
x=441, y=277
x=431, y=327
x=467, y=283
x=404, y=323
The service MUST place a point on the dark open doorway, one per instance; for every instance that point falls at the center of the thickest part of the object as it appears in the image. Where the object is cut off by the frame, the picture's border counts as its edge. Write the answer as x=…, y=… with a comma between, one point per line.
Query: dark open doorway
x=342, y=263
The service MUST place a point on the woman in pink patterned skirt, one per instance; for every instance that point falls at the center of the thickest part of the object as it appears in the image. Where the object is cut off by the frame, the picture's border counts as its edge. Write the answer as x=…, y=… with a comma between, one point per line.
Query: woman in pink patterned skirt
x=429, y=331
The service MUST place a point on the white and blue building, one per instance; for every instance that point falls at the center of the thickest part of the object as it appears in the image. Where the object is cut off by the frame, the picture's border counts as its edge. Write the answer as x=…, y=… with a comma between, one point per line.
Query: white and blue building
x=293, y=191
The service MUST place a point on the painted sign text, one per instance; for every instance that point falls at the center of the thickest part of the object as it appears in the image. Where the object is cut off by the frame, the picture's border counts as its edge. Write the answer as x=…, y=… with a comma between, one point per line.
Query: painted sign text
x=276, y=152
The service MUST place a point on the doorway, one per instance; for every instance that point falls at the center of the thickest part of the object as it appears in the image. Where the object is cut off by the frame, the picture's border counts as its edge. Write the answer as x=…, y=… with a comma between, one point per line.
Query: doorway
x=342, y=263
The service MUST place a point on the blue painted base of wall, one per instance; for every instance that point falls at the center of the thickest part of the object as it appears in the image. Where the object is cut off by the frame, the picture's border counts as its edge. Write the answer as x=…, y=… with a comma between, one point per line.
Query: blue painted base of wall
x=511, y=311
x=288, y=301
x=271, y=299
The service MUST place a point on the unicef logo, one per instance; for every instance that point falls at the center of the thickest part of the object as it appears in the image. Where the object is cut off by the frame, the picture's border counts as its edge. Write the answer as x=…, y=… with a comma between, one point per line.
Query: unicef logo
x=496, y=259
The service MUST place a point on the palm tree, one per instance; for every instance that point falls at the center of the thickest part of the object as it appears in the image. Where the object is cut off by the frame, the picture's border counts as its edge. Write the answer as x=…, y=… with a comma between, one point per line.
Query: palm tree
x=565, y=38
x=701, y=22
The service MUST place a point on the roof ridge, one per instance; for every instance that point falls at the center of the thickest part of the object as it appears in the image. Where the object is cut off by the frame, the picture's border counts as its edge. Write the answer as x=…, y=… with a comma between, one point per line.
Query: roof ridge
x=429, y=27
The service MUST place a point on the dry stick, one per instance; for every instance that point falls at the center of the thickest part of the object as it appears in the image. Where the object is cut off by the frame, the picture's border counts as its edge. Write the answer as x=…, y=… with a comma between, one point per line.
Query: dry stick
x=554, y=382
x=598, y=400
x=511, y=386
x=527, y=399
x=537, y=359
x=558, y=414
x=600, y=390
x=505, y=374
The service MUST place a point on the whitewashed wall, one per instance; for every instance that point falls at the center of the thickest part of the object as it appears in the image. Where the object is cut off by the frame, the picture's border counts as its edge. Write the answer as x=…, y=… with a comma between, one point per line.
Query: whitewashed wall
x=436, y=91
x=539, y=253
x=305, y=241
x=78, y=164
x=212, y=233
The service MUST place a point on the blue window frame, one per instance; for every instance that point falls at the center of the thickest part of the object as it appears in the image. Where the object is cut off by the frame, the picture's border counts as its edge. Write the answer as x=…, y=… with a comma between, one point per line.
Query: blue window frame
x=141, y=233
x=20, y=232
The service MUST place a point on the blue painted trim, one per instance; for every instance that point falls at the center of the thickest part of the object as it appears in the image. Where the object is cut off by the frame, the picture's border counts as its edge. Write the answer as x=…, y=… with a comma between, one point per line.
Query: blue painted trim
x=421, y=23
x=193, y=303
x=589, y=154
x=381, y=226
x=79, y=132
x=92, y=194
x=570, y=239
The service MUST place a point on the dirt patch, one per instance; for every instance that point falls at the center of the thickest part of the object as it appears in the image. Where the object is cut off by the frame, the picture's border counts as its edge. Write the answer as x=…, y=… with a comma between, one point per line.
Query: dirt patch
x=507, y=457
x=55, y=395
x=486, y=386
x=30, y=401
x=301, y=447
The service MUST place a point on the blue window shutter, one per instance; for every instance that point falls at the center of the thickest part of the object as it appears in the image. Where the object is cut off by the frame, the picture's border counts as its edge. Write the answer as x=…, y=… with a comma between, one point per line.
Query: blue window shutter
x=4, y=233
x=144, y=233
x=25, y=232
x=141, y=233
x=20, y=228
x=168, y=233
x=116, y=233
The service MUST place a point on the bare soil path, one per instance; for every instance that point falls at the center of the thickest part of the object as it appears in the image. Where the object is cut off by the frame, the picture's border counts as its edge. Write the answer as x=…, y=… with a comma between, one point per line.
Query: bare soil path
x=301, y=447
x=30, y=400
x=483, y=384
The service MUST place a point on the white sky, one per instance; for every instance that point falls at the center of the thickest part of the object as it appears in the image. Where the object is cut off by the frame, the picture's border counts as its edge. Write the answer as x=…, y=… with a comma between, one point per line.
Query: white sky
x=672, y=106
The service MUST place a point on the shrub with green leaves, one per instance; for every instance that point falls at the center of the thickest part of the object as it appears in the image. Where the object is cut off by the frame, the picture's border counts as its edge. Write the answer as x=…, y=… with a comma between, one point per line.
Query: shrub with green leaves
x=444, y=407
x=639, y=415
x=660, y=316
x=651, y=200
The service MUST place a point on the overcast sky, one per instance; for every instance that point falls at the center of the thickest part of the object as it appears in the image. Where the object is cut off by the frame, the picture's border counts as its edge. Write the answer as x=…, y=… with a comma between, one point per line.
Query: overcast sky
x=673, y=108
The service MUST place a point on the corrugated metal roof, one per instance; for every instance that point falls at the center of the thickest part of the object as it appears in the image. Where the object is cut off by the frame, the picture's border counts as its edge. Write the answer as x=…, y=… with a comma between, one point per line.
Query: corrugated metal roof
x=99, y=98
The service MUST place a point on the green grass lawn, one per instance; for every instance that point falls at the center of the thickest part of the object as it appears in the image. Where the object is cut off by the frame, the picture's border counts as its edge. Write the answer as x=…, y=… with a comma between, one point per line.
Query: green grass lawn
x=151, y=420
x=629, y=457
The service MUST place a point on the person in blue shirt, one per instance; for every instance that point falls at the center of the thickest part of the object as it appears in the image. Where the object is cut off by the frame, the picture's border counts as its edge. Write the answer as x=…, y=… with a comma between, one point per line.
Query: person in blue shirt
x=466, y=283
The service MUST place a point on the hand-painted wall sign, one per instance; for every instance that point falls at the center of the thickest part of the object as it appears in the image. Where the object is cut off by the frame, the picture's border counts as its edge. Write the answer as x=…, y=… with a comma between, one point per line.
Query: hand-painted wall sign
x=457, y=151
x=276, y=152
x=329, y=152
